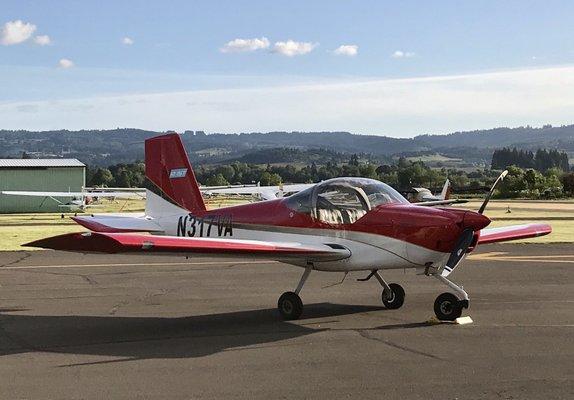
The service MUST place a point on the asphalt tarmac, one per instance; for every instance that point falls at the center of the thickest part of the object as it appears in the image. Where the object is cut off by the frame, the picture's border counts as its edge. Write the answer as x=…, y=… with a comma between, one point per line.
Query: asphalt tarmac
x=93, y=327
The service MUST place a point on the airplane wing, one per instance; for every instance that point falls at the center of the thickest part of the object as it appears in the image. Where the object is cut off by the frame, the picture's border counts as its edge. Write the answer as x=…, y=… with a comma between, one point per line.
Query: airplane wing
x=210, y=188
x=440, y=202
x=141, y=243
x=430, y=197
x=266, y=192
x=118, y=195
x=122, y=195
x=41, y=194
x=513, y=232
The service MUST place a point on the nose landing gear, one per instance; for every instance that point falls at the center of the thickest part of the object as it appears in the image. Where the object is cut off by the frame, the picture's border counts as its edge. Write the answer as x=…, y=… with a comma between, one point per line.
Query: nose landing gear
x=447, y=306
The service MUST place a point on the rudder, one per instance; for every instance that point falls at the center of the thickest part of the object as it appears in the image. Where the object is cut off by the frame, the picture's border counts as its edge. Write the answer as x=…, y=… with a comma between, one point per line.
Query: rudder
x=167, y=166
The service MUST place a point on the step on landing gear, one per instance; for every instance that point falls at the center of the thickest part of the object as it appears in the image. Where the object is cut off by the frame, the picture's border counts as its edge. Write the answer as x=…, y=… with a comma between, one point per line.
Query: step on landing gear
x=290, y=305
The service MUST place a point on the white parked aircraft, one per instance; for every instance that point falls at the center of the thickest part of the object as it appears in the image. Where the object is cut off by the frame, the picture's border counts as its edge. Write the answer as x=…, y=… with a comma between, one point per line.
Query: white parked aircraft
x=78, y=201
x=262, y=192
x=421, y=194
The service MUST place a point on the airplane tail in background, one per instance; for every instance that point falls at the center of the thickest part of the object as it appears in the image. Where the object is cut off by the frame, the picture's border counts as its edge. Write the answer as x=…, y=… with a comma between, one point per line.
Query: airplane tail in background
x=167, y=166
x=445, y=193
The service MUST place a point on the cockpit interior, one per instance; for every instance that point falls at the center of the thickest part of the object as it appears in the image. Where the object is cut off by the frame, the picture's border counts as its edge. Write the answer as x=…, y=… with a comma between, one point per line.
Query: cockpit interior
x=343, y=200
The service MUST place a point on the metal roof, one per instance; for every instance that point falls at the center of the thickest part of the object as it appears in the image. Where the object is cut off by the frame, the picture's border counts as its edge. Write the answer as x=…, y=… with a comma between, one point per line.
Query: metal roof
x=40, y=163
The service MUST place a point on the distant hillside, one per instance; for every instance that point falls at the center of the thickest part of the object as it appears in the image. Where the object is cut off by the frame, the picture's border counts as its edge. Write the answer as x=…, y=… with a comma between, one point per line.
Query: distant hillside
x=283, y=155
x=107, y=147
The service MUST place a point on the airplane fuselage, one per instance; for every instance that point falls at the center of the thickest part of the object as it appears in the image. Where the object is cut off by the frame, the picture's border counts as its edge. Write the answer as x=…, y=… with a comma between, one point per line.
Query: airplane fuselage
x=387, y=237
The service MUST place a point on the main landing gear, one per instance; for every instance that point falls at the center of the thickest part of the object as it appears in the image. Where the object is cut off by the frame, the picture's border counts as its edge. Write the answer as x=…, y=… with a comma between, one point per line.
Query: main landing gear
x=393, y=295
x=290, y=305
x=447, y=306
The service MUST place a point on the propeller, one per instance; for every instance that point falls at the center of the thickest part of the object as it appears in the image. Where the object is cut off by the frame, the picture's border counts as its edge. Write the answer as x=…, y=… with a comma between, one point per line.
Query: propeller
x=467, y=235
x=491, y=192
x=459, y=251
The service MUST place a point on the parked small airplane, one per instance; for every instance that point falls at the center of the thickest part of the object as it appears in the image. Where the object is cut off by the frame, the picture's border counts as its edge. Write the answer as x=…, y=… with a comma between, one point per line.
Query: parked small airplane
x=81, y=201
x=421, y=194
x=262, y=192
x=78, y=201
x=339, y=225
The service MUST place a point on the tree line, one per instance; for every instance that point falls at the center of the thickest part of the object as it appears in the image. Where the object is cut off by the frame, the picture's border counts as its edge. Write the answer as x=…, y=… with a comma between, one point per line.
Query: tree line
x=404, y=175
x=542, y=160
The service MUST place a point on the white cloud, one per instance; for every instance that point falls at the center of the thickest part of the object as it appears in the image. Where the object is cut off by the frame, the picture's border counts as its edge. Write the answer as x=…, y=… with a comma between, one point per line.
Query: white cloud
x=402, y=54
x=291, y=48
x=127, y=41
x=15, y=32
x=394, y=107
x=43, y=40
x=349, y=50
x=65, y=63
x=245, y=45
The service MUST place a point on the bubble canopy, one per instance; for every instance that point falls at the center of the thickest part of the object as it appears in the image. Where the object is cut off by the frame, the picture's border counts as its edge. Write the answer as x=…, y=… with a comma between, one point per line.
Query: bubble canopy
x=344, y=200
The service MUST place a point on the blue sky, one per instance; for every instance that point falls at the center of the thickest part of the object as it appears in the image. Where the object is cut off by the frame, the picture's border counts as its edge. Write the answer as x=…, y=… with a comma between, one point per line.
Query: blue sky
x=177, y=65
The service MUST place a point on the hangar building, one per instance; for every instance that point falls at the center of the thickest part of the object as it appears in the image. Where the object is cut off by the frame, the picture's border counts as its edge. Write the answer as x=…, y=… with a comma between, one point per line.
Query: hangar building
x=48, y=175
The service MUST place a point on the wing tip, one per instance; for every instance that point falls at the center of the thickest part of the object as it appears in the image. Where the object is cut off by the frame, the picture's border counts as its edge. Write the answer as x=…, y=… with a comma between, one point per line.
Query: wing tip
x=78, y=241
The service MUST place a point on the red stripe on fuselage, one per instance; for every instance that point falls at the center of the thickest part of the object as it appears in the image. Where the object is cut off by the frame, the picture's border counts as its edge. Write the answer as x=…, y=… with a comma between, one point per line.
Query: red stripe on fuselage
x=433, y=228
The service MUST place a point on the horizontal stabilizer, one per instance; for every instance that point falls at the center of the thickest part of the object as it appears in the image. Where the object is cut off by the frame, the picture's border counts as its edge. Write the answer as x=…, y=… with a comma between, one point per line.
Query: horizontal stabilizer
x=106, y=223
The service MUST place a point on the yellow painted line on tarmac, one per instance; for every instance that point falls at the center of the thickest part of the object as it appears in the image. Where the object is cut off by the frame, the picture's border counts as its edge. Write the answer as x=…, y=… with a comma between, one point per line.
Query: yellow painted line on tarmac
x=138, y=264
x=524, y=326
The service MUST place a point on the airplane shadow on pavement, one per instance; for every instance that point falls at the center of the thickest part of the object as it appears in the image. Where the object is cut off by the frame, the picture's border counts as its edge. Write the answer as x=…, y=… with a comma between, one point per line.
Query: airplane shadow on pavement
x=159, y=337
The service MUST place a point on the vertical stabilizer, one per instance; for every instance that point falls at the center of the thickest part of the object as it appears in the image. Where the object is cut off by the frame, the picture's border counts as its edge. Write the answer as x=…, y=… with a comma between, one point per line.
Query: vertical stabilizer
x=167, y=166
x=445, y=193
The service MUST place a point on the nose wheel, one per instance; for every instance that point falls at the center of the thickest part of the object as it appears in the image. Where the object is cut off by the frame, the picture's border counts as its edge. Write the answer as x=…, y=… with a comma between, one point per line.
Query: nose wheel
x=448, y=307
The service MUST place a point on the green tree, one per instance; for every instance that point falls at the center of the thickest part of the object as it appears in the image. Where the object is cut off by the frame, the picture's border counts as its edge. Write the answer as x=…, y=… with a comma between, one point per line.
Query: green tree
x=102, y=177
x=568, y=183
x=514, y=185
x=269, y=179
x=216, y=180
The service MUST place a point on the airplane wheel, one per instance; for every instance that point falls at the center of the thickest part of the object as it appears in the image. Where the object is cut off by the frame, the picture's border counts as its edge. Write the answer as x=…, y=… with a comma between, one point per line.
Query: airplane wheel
x=396, y=298
x=447, y=307
x=290, y=306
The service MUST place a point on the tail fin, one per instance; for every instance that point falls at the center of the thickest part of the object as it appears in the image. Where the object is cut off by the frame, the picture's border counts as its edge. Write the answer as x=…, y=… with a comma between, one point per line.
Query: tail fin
x=445, y=193
x=167, y=166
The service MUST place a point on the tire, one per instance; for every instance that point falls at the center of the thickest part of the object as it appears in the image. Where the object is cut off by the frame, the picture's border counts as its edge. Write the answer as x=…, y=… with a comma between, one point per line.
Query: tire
x=447, y=307
x=290, y=306
x=397, y=298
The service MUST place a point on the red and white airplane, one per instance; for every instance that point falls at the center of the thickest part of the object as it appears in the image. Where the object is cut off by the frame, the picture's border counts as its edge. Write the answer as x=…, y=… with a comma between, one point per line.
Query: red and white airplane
x=339, y=225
